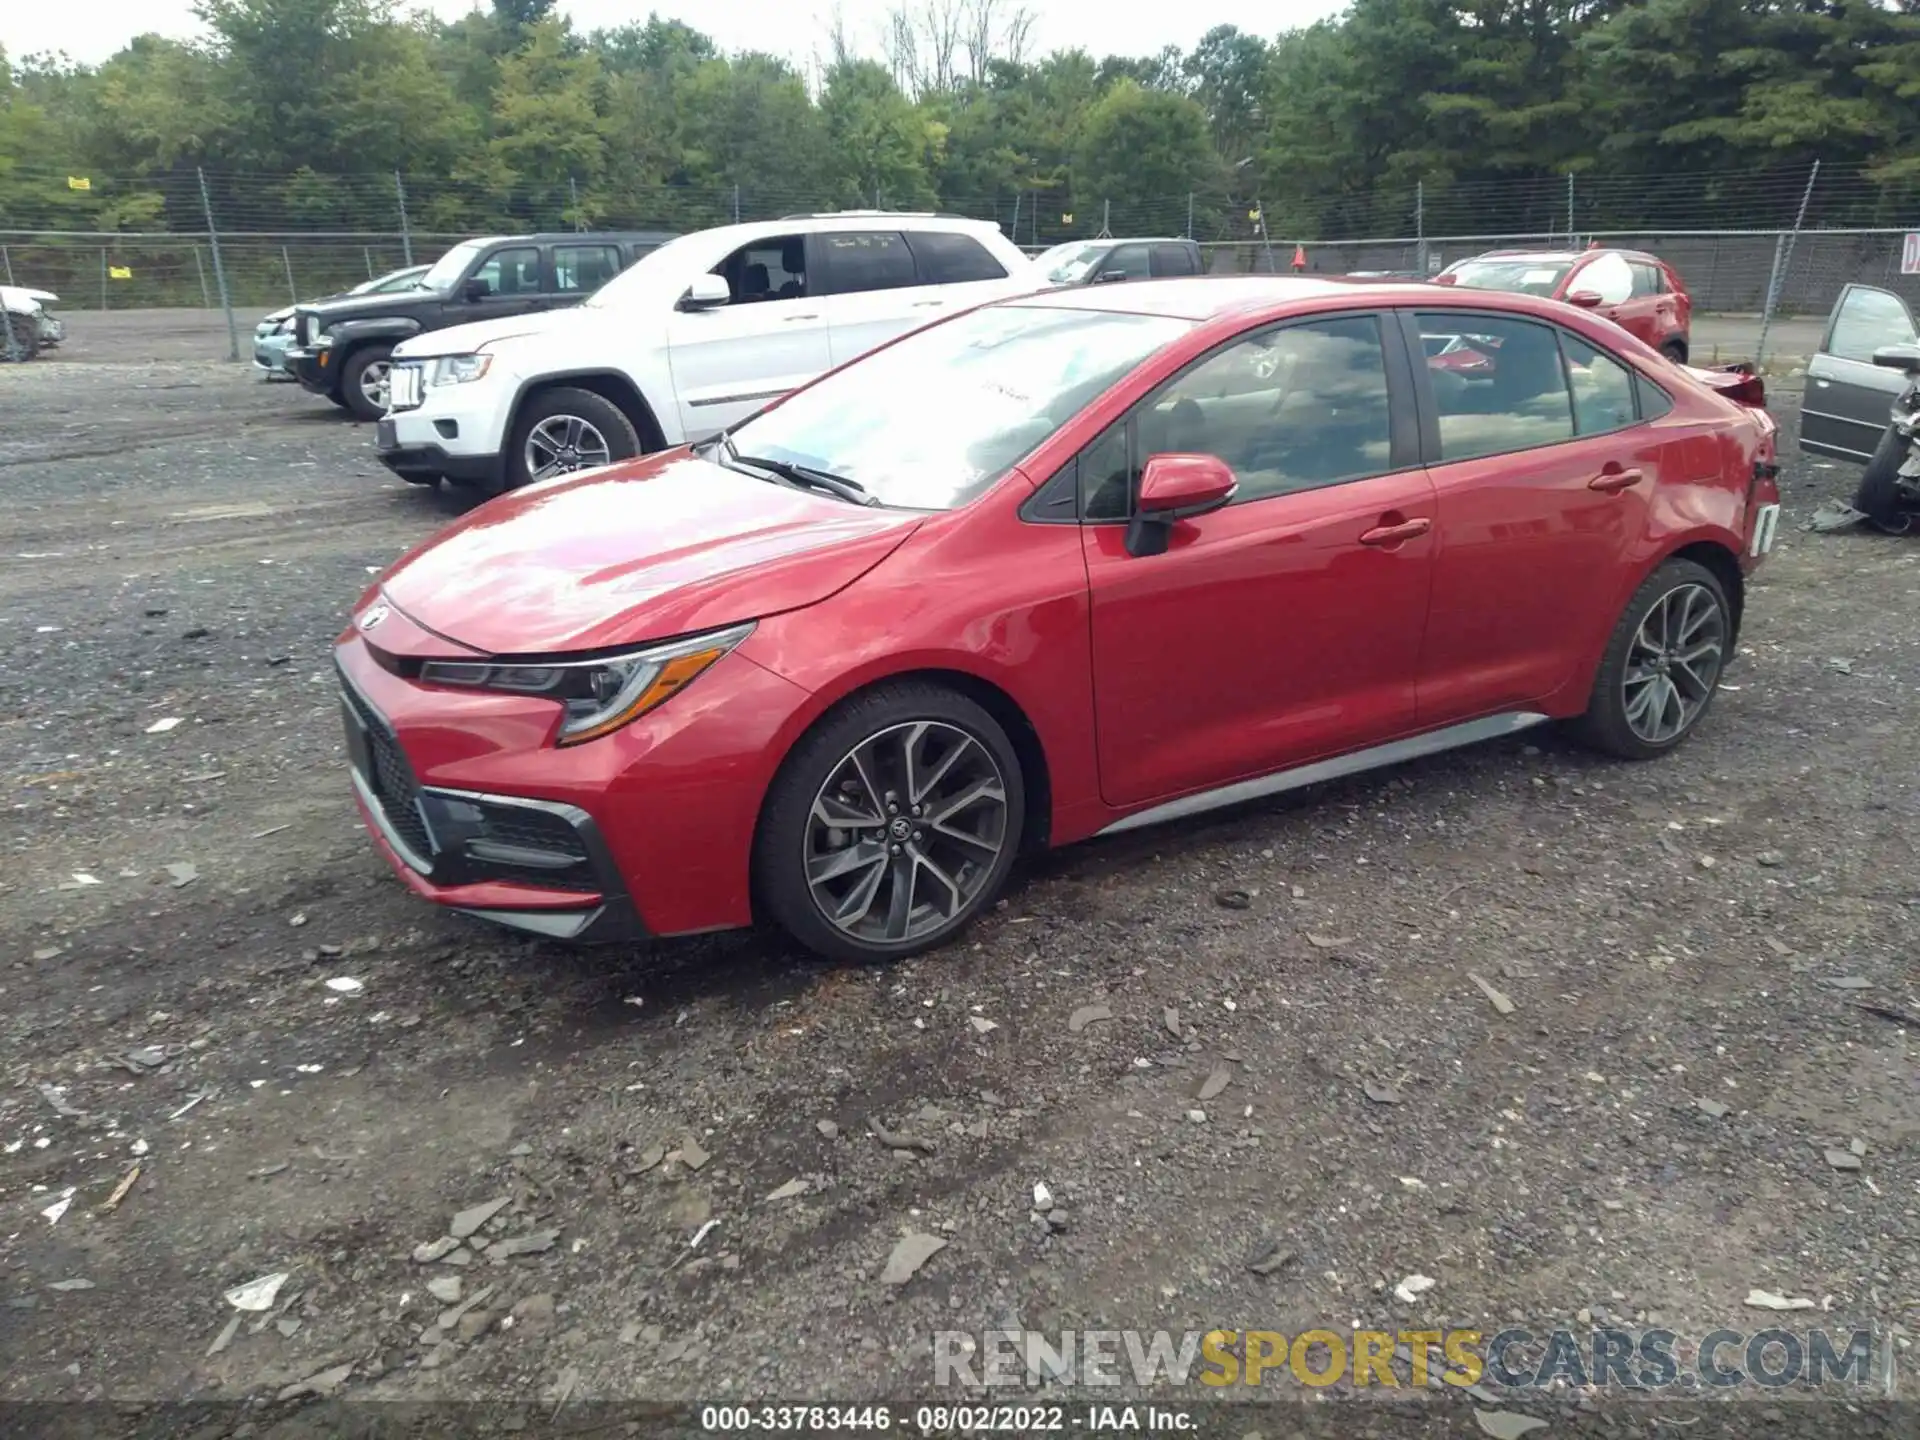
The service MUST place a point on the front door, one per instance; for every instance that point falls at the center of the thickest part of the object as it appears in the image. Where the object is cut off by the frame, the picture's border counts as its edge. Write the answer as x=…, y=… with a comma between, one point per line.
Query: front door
x=1849, y=398
x=1287, y=626
x=1541, y=485
x=770, y=338
x=515, y=285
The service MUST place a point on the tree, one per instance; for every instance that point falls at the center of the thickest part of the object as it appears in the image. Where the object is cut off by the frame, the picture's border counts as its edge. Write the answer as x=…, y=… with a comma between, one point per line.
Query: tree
x=878, y=142
x=1143, y=151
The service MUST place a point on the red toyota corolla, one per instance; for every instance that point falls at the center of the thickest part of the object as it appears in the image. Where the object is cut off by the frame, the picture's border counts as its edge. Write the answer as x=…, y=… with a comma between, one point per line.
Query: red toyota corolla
x=1051, y=568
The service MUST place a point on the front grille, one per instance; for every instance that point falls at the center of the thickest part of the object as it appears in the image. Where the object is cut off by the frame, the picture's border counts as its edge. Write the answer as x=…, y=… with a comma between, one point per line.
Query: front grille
x=535, y=830
x=391, y=779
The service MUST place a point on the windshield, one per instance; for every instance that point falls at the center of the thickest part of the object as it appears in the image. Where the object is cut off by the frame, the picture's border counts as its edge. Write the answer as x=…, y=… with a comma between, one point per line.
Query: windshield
x=1522, y=275
x=933, y=421
x=452, y=265
x=1068, y=264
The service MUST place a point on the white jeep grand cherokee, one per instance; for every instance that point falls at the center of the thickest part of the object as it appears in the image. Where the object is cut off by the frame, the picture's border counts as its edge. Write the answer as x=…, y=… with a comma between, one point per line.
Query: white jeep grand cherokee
x=693, y=338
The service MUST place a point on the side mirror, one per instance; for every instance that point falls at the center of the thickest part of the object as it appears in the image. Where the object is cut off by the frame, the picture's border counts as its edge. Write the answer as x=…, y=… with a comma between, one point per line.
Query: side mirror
x=475, y=289
x=1904, y=358
x=1175, y=488
x=1109, y=277
x=1585, y=299
x=1448, y=279
x=706, y=292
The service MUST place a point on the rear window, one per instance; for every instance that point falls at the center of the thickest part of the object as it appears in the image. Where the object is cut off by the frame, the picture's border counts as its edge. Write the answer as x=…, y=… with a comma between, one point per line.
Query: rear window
x=948, y=258
x=865, y=260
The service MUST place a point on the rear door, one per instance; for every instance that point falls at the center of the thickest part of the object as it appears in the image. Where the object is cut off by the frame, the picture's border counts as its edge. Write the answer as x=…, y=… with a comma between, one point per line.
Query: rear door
x=1543, y=470
x=1848, y=397
x=953, y=270
x=770, y=338
x=871, y=289
x=580, y=269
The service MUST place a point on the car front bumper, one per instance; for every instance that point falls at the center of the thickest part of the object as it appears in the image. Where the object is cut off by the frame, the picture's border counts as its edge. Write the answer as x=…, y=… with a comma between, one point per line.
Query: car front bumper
x=644, y=832
x=270, y=354
x=411, y=445
x=311, y=369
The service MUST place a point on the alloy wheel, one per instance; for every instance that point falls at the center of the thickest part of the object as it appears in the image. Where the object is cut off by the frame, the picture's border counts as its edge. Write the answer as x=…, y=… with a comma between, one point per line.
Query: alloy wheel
x=1674, y=663
x=376, y=383
x=561, y=443
x=905, y=832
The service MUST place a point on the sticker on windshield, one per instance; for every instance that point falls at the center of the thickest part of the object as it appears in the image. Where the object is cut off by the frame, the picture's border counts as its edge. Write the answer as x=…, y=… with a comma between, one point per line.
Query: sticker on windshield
x=1538, y=277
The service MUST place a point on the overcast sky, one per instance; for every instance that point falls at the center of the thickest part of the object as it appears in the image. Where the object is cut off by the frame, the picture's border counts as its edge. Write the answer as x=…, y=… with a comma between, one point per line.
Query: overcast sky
x=91, y=30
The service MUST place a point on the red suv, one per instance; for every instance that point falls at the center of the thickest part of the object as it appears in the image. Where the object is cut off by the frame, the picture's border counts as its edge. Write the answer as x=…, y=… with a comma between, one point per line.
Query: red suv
x=1050, y=568
x=1640, y=293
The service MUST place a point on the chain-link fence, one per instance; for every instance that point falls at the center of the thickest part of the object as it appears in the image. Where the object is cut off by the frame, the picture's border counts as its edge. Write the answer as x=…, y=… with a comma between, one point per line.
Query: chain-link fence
x=1770, y=243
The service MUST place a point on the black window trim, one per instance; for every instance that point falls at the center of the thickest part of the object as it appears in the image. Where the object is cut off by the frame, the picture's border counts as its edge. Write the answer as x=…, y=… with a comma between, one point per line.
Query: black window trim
x=1429, y=407
x=921, y=275
x=819, y=257
x=542, y=259
x=550, y=262
x=1404, y=436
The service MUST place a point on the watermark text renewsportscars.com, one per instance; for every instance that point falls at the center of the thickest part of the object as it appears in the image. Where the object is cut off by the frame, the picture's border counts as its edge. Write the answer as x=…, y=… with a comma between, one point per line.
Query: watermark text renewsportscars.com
x=1514, y=1359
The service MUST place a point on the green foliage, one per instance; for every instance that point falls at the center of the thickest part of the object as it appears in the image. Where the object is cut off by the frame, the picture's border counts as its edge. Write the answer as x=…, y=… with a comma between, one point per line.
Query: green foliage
x=301, y=112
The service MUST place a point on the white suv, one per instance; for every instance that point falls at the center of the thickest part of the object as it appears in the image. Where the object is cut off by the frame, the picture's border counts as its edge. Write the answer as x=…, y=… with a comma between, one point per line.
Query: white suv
x=693, y=338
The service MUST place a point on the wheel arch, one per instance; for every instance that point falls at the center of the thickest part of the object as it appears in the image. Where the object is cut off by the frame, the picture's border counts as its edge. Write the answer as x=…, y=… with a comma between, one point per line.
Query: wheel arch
x=1723, y=563
x=612, y=386
x=1035, y=770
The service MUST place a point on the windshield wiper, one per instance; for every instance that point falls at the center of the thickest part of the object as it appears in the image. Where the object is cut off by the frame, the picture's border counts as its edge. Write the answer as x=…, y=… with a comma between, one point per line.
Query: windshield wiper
x=807, y=477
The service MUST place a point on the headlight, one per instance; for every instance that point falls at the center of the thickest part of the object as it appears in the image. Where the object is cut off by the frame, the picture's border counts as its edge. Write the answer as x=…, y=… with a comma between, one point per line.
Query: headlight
x=458, y=369
x=600, y=695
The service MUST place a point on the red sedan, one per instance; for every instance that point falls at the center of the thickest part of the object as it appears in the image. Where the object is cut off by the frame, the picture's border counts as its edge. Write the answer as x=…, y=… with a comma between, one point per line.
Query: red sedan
x=1047, y=569
x=1640, y=293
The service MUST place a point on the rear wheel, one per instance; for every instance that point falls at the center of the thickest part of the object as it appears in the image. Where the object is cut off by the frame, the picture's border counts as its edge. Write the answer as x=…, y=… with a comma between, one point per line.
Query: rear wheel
x=365, y=381
x=892, y=825
x=20, y=339
x=1676, y=351
x=567, y=429
x=1662, y=665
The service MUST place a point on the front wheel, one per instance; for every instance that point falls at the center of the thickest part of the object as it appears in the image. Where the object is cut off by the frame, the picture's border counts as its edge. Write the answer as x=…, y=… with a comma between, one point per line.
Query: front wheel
x=1878, y=497
x=20, y=341
x=892, y=825
x=568, y=429
x=1662, y=665
x=366, y=381
x=1676, y=351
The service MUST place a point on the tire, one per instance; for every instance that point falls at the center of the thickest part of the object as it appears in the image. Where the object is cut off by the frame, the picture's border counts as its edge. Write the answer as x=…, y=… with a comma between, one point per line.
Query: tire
x=1694, y=597
x=1676, y=351
x=334, y=397
x=425, y=482
x=920, y=888
x=25, y=343
x=366, y=370
x=577, y=427
x=1878, y=497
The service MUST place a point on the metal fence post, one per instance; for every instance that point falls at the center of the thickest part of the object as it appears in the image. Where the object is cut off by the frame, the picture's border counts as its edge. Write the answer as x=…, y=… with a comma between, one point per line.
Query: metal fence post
x=366, y=256
x=1570, y=239
x=406, y=232
x=736, y=204
x=1420, y=227
x=7, y=261
x=219, y=268
x=1782, y=258
x=573, y=189
x=103, y=277
x=200, y=269
x=1189, y=215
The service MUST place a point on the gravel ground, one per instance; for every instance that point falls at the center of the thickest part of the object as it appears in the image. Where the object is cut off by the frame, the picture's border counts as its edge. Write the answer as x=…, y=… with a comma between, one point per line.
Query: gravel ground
x=182, y=540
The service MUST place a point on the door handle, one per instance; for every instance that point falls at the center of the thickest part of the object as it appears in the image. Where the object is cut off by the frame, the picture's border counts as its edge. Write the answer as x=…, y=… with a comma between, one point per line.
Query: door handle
x=928, y=304
x=1395, y=534
x=1612, y=482
x=789, y=319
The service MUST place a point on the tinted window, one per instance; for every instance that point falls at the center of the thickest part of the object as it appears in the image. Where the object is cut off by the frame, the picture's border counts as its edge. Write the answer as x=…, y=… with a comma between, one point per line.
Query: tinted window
x=1654, y=402
x=947, y=258
x=1129, y=260
x=1173, y=260
x=584, y=267
x=1287, y=409
x=771, y=269
x=511, y=272
x=1609, y=276
x=1500, y=388
x=1647, y=279
x=868, y=260
x=1866, y=320
x=1602, y=388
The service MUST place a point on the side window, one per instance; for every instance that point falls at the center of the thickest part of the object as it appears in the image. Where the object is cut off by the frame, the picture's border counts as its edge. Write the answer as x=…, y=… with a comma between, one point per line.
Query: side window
x=1647, y=280
x=1173, y=260
x=1107, y=476
x=1602, y=388
x=578, y=268
x=865, y=260
x=1512, y=396
x=511, y=272
x=1866, y=320
x=1654, y=402
x=1287, y=409
x=946, y=257
x=1129, y=260
x=771, y=269
x=1608, y=275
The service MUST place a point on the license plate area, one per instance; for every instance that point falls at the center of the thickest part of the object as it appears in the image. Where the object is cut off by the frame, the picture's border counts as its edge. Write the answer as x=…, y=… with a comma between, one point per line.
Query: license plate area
x=404, y=387
x=1766, y=524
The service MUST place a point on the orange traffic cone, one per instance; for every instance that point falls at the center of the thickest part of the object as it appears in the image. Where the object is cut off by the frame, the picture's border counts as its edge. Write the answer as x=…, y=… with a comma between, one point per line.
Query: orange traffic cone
x=1299, y=257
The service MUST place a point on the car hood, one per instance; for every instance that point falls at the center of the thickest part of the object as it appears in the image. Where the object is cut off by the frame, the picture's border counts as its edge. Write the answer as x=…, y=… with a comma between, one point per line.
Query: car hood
x=336, y=308
x=480, y=334
x=19, y=297
x=664, y=546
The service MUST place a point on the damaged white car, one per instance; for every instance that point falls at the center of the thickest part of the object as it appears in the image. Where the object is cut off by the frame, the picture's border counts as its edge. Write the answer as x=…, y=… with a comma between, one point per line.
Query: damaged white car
x=27, y=322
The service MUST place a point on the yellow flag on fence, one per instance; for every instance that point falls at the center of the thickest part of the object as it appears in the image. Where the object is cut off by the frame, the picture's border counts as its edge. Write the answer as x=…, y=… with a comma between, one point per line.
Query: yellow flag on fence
x=1254, y=215
x=120, y=272
x=79, y=182
x=1067, y=219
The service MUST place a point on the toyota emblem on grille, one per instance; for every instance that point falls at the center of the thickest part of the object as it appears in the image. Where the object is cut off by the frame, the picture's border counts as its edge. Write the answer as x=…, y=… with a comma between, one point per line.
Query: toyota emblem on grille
x=373, y=617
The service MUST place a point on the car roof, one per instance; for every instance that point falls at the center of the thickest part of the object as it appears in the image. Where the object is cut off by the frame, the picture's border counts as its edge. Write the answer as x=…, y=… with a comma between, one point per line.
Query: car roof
x=1559, y=257
x=1214, y=297
x=587, y=236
